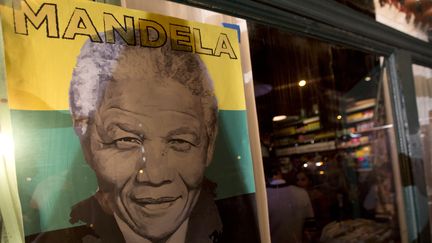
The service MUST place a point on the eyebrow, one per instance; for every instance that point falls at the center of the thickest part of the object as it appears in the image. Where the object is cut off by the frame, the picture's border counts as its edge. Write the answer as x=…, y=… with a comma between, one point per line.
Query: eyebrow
x=127, y=128
x=130, y=117
x=117, y=109
x=124, y=127
x=182, y=112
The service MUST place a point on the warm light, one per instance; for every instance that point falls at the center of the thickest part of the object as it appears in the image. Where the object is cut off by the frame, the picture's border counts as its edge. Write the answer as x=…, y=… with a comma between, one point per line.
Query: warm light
x=339, y=117
x=279, y=118
x=367, y=79
x=321, y=172
x=302, y=83
x=305, y=165
x=319, y=163
x=6, y=145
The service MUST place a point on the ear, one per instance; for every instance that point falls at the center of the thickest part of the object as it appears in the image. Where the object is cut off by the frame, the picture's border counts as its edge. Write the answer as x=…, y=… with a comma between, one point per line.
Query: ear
x=211, y=147
x=80, y=126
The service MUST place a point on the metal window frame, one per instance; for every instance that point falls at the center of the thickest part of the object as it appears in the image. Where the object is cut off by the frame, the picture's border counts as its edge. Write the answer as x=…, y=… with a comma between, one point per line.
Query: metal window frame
x=330, y=21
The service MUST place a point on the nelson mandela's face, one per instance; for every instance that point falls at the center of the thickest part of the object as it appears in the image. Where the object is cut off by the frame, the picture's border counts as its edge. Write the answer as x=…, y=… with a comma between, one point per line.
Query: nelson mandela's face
x=149, y=149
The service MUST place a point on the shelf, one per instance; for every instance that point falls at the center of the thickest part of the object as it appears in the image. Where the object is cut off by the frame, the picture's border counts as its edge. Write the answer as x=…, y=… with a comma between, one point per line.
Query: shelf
x=353, y=146
x=364, y=169
x=304, y=136
x=364, y=106
x=310, y=120
x=362, y=131
x=361, y=105
x=374, y=129
x=359, y=120
x=315, y=147
x=309, y=148
x=297, y=122
x=288, y=132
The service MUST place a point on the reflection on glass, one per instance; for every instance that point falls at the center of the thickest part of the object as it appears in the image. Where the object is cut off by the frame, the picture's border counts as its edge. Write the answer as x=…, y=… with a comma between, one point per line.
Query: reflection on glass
x=412, y=17
x=423, y=88
x=328, y=157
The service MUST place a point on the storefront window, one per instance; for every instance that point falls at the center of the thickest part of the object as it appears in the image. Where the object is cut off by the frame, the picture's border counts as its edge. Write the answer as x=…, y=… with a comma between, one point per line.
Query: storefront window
x=327, y=140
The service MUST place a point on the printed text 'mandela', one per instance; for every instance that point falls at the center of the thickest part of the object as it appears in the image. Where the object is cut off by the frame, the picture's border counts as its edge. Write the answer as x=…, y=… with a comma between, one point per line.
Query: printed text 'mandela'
x=151, y=33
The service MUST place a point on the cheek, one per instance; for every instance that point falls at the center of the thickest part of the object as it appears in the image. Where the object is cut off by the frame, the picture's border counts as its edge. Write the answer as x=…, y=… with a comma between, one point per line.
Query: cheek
x=115, y=167
x=190, y=167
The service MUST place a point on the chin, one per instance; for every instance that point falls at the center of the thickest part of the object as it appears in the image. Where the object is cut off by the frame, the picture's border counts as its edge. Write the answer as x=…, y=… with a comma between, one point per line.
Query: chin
x=158, y=229
x=155, y=227
x=157, y=234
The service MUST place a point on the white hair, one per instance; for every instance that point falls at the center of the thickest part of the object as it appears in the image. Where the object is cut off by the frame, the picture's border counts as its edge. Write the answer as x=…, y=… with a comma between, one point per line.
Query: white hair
x=97, y=62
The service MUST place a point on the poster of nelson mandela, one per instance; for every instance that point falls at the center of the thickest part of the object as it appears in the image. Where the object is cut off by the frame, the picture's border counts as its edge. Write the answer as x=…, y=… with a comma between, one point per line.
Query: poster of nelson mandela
x=150, y=101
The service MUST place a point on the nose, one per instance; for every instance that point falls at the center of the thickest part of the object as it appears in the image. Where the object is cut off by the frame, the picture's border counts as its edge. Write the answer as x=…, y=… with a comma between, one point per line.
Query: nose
x=155, y=170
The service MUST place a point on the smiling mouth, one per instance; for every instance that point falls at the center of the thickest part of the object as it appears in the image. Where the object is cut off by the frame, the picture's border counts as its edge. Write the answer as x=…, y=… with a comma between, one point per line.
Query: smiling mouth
x=156, y=203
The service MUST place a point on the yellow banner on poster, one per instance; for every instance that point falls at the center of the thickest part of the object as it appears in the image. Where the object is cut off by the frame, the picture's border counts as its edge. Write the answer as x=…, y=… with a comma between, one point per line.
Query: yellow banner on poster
x=55, y=31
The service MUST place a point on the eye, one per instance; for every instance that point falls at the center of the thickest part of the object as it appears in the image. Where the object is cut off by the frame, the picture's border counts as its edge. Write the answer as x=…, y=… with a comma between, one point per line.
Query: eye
x=180, y=145
x=126, y=143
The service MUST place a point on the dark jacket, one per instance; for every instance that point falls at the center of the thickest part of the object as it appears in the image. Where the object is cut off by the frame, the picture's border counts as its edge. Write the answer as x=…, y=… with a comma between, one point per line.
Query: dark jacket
x=238, y=215
x=204, y=224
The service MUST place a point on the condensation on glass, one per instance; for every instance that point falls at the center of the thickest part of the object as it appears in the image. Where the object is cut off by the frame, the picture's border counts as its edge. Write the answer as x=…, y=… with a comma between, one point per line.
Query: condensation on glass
x=327, y=140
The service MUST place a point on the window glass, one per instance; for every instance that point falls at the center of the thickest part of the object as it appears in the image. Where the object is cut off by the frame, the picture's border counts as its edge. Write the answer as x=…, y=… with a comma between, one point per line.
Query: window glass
x=327, y=140
x=423, y=88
